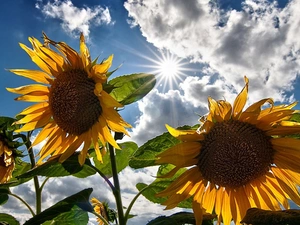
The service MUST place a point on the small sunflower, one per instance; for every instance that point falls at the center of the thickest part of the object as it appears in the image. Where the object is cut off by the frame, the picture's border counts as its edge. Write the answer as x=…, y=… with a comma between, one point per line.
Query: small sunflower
x=72, y=108
x=237, y=160
x=7, y=161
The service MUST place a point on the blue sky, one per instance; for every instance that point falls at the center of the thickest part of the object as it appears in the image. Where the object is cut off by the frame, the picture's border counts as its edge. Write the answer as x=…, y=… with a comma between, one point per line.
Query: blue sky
x=216, y=43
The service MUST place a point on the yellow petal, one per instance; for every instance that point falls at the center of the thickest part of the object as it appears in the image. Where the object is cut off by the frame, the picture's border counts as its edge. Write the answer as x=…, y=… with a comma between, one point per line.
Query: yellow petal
x=83, y=152
x=44, y=133
x=108, y=101
x=84, y=52
x=240, y=101
x=39, y=107
x=36, y=75
x=226, y=205
x=102, y=68
x=34, y=117
x=185, y=135
x=36, y=59
x=115, y=121
x=34, y=97
x=198, y=212
x=103, y=129
x=219, y=110
x=29, y=89
x=209, y=198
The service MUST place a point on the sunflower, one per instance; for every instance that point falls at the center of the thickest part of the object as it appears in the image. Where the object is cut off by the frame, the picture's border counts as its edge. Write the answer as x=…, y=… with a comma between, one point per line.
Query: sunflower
x=100, y=210
x=72, y=108
x=236, y=160
x=7, y=161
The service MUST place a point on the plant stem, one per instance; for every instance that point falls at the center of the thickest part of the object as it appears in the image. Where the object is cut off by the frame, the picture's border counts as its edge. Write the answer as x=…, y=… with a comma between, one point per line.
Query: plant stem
x=132, y=202
x=38, y=191
x=101, y=217
x=117, y=190
x=103, y=176
x=24, y=202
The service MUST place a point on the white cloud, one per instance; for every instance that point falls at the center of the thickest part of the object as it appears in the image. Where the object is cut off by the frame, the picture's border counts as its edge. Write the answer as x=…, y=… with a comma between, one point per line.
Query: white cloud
x=260, y=41
x=158, y=109
x=75, y=19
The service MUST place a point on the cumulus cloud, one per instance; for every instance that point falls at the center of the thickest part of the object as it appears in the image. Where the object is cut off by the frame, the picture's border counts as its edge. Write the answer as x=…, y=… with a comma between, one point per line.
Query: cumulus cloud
x=259, y=41
x=75, y=19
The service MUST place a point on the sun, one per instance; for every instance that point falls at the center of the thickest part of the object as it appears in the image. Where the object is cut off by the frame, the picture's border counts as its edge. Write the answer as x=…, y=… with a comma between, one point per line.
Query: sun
x=169, y=69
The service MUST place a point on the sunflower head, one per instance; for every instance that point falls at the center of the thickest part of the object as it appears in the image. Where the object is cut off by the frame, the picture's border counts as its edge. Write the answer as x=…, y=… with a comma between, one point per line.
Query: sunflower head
x=72, y=107
x=7, y=161
x=101, y=209
x=237, y=159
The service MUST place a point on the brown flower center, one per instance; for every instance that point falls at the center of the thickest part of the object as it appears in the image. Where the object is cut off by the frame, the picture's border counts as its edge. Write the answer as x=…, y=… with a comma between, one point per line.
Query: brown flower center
x=74, y=105
x=234, y=153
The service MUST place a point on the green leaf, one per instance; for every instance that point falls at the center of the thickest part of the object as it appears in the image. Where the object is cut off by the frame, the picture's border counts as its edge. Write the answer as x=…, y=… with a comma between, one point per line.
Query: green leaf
x=53, y=168
x=146, y=154
x=161, y=184
x=76, y=216
x=130, y=88
x=3, y=196
x=122, y=158
x=295, y=117
x=178, y=219
x=65, y=209
x=6, y=123
x=8, y=219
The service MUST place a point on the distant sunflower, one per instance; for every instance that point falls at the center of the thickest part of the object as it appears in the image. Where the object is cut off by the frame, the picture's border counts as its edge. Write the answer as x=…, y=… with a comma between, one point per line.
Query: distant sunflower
x=237, y=160
x=100, y=209
x=73, y=109
x=7, y=161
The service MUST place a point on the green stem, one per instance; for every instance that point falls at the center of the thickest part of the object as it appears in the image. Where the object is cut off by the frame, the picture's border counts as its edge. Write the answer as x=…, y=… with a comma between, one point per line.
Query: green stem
x=117, y=191
x=24, y=202
x=132, y=202
x=103, y=176
x=38, y=191
x=43, y=184
x=101, y=217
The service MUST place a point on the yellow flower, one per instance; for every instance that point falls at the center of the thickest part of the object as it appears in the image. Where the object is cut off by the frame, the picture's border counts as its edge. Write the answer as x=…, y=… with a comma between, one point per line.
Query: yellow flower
x=237, y=160
x=72, y=106
x=7, y=162
x=99, y=209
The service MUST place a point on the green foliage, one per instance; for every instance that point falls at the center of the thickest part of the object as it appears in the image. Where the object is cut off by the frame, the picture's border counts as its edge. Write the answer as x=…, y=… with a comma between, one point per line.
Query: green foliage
x=122, y=158
x=76, y=216
x=8, y=219
x=178, y=219
x=21, y=167
x=71, y=209
x=295, y=117
x=130, y=88
x=146, y=154
x=3, y=195
x=161, y=184
x=53, y=168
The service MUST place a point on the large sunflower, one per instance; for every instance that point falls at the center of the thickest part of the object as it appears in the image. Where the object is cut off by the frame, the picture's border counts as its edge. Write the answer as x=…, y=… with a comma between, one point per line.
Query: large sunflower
x=7, y=161
x=72, y=107
x=237, y=160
